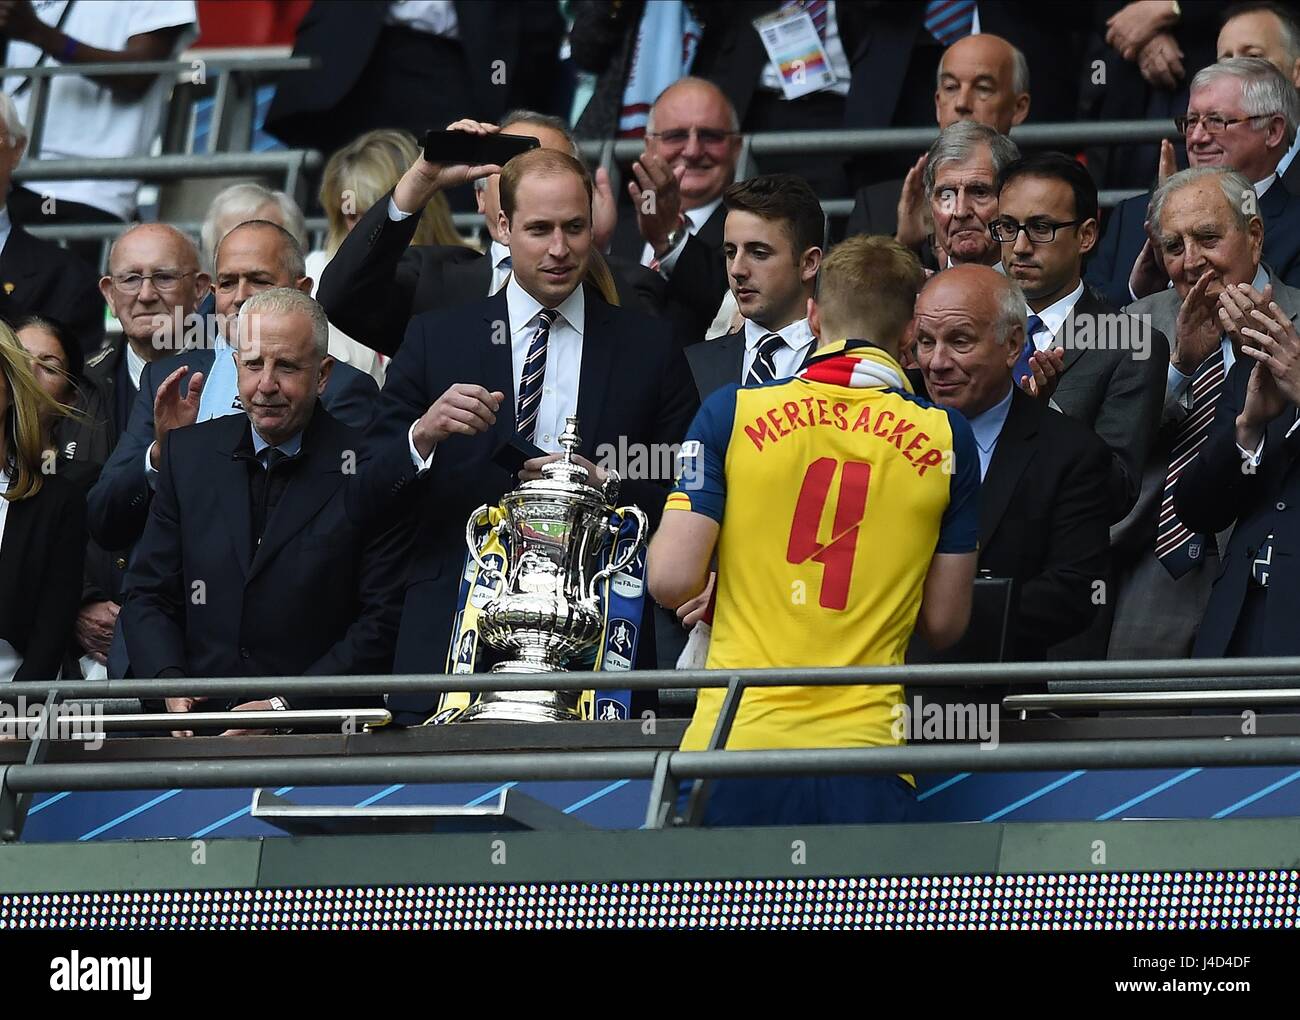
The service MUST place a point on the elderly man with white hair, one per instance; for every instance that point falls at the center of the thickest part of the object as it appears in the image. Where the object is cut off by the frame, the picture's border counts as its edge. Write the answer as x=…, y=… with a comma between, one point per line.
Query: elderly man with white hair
x=1243, y=115
x=1212, y=243
x=251, y=512
x=38, y=277
x=249, y=200
x=961, y=183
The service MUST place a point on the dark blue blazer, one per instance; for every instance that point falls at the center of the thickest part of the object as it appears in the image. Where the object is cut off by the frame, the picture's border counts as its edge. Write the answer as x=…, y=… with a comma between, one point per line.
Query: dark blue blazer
x=320, y=595
x=118, y=505
x=634, y=386
x=1214, y=491
x=1112, y=260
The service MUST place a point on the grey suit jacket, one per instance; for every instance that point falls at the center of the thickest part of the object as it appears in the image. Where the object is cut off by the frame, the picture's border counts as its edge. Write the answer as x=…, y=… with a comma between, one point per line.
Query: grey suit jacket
x=1136, y=532
x=1113, y=380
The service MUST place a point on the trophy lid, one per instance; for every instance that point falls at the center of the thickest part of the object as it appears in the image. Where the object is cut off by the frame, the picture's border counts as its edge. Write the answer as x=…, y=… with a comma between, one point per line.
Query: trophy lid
x=565, y=469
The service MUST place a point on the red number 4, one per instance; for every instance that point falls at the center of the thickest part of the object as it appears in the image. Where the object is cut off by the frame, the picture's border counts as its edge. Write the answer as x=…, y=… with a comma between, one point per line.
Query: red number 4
x=836, y=556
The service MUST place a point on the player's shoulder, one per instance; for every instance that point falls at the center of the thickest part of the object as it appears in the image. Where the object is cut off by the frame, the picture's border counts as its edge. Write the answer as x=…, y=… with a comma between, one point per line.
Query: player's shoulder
x=935, y=415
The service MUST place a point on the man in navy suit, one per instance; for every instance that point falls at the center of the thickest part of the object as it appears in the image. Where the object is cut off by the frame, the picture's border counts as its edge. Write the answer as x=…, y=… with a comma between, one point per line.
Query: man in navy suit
x=195, y=386
x=1242, y=115
x=457, y=391
x=250, y=564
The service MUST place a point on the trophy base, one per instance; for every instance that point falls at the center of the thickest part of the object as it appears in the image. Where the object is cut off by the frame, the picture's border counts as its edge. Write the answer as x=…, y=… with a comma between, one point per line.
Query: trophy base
x=523, y=706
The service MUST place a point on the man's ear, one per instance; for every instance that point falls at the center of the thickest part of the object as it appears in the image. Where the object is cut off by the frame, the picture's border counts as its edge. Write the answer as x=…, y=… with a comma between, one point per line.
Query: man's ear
x=809, y=264
x=1022, y=109
x=303, y=284
x=1015, y=344
x=503, y=227
x=814, y=318
x=1087, y=236
x=326, y=366
x=106, y=289
x=202, y=284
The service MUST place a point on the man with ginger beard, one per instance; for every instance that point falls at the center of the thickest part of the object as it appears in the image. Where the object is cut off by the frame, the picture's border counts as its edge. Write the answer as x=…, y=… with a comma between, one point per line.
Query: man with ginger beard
x=1212, y=249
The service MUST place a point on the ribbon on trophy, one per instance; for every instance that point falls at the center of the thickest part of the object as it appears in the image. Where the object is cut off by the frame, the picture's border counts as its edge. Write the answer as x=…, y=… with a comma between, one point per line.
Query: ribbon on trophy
x=622, y=598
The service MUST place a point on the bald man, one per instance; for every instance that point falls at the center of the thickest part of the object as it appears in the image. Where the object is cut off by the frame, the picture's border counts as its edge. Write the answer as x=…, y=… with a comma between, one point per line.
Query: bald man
x=1045, y=508
x=981, y=78
x=1271, y=31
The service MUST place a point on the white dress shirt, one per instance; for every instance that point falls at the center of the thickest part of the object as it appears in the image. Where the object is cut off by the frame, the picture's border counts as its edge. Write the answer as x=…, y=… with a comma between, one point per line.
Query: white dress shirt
x=1054, y=316
x=799, y=340
x=695, y=218
x=436, y=17
x=498, y=253
x=134, y=365
x=563, y=358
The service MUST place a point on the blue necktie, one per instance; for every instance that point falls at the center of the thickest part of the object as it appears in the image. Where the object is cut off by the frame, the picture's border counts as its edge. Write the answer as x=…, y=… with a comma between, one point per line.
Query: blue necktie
x=949, y=20
x=221, y=386
x=1022, y=368
x=534, y=373
x=764, y=367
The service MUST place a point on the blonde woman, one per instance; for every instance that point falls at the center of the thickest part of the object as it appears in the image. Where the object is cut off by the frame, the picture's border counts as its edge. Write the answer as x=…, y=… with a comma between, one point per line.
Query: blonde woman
x=42, y=528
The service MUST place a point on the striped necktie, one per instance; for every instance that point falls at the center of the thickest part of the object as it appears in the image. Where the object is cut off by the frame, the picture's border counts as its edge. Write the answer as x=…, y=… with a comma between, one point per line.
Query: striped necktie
x=1177, y=547
x=763, y=368
x=530, y=380
x=949, y=20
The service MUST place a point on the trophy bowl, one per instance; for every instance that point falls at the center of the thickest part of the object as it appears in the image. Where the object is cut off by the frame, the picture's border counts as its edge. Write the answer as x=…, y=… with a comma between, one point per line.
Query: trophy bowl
x=547, y=609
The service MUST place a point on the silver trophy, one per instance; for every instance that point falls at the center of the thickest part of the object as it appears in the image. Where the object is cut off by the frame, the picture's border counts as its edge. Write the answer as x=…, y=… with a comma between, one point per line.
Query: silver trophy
x=547, y=608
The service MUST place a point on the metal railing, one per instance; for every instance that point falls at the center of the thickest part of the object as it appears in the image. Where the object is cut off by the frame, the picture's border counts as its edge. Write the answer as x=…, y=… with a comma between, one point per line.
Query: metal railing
x=665, y=768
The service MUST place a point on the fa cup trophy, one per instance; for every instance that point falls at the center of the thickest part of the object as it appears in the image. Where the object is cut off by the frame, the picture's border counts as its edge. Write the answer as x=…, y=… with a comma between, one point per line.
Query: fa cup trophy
x=553, y=534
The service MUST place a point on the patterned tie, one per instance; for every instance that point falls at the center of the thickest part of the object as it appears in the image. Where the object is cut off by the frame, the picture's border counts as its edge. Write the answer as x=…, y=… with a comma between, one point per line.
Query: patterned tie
x=764, y=367
x=1177, y=547
x=1021, y=369
x=530, y=381
x=949, y=20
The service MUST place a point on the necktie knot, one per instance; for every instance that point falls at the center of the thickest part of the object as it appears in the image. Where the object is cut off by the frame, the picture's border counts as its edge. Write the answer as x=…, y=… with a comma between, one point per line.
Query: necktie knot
x=547, y=317
x=1032, y=326
x=764, y=367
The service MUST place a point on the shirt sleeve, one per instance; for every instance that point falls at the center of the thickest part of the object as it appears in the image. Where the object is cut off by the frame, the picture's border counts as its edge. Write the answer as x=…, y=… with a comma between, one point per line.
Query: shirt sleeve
x=421, y=463
x=149, y=17
x=701, y=484
x=960, y=530
x=395, y=214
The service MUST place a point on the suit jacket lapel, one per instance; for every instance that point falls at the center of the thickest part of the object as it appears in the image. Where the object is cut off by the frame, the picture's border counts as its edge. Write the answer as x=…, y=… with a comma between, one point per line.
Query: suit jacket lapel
x=1011, y=457
x=598, y=346
x=1086, y=305
x=496, y=364
x=234, y=514
x=314, y=479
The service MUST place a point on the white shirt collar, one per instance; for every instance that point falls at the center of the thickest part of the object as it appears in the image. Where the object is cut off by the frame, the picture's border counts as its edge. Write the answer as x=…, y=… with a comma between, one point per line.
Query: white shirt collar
x=498, y=252
x=699, y=216
x=1264, y=185
x=134, y=364
x=523, y=307
x=1057, y=312
x=797, y=335
x=996, y=265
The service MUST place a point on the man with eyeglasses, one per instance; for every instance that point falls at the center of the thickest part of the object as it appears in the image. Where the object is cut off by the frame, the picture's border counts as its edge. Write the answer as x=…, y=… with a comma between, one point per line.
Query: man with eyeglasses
x=1082, y=355
x=200, y=382
x=692, y=144
x=1243, y=115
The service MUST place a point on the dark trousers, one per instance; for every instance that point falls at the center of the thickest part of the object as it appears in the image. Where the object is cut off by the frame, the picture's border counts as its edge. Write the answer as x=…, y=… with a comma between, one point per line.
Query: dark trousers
x=29, y=208
x=805, y=800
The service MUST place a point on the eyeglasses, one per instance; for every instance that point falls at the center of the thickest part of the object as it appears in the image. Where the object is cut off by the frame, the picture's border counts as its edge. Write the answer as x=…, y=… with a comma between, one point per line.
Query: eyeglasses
x=1213, y=123
x=709, y=137
x=1039, y=231
x=130, y=283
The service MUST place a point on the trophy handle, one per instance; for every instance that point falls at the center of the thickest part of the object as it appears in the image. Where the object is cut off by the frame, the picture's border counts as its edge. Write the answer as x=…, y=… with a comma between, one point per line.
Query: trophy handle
x=642, y=527
x=477, y=518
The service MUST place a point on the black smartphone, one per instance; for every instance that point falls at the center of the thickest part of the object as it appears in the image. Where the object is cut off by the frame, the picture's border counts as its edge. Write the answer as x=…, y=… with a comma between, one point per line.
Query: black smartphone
x=460, y=148
x=512, y=454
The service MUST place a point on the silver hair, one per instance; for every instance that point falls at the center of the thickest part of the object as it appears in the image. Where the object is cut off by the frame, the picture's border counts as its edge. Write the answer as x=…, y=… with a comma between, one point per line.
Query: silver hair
x=957, y=142
x=1019, y=71
x=535, y=119
x=187, y=243
x=287, y=301
x=15, y=129
x=292, y=259
x=1238, y=192
x=689, y=80
x=1265, y=91
x=244, y=201
x=1011, y=309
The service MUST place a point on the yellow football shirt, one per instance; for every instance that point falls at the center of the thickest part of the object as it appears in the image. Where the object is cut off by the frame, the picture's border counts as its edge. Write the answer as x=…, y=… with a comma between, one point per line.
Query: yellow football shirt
x=833, y=491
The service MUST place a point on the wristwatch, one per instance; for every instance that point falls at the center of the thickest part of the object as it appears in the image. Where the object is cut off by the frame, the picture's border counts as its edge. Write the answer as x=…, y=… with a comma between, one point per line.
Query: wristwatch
x=679, y=232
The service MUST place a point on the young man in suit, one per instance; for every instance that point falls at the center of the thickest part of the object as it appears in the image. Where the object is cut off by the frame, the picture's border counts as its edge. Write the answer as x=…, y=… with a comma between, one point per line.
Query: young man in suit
x=1085, y=357
x=1211, y=245
x=692, y=143
x=1044, y=504
x=38, y=277
x=250, y=564
x=1243, y=115
x=377, y=280
x=457, y=391
x=772, y=247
